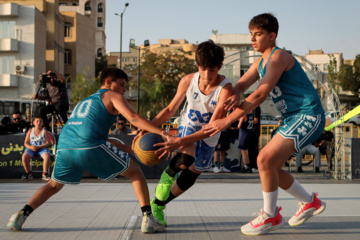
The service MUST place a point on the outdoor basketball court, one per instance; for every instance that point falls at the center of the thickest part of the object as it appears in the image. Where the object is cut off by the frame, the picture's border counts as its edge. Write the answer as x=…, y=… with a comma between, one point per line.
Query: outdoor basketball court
x=211, y=209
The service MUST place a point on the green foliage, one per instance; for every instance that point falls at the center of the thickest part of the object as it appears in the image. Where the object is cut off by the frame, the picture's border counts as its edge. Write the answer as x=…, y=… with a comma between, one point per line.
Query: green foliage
x=83, y=86
x=100, y=64
x=160, y=75
x=349, y=76
x=333, y=72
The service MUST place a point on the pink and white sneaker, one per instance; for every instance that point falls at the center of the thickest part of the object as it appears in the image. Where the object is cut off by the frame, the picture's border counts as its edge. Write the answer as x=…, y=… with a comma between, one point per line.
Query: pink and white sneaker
x=264, y=223
x=307, y=210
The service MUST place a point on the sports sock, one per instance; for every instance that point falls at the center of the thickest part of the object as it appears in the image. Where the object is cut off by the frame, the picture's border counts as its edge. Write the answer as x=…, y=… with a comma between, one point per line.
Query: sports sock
x=27, y=210
x=146, y=208
x=163, y=203
x=270, y=199
x=221, y=164
x=298, y=192
x=216, y=164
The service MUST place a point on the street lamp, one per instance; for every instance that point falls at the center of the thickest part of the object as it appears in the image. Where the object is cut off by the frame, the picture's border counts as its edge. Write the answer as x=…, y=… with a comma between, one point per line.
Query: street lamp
x=132, y=45
x=121, y=20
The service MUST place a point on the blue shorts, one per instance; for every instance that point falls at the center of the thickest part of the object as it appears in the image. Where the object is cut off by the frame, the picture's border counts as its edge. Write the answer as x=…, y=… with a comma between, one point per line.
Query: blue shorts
x=303, y=129
x=203, y=152
x=244, y=138
x=39, y=152
x=105, y=161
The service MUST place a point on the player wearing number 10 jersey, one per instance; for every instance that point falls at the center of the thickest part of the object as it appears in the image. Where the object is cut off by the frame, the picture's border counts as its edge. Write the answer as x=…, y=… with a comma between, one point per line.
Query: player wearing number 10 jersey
x=83, y=145
x=205, y=92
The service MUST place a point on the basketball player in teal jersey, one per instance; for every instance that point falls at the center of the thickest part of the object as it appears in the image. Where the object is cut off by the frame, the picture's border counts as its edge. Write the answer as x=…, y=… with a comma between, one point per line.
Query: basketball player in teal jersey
x=83, y=145
x=205, y=92
x=282, y=77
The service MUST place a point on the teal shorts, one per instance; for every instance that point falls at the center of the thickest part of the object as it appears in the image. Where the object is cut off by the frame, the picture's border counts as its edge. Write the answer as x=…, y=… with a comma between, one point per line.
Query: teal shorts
x=303, y=129
x=105, y=161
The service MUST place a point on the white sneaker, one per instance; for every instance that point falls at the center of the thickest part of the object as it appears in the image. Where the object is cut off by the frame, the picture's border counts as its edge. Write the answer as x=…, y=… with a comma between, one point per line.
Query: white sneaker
x=224, y=170
x=151, y=225
x=307, y=210
x=17, y=220
x=254, y=170
x=264, y=223
x=216, y=169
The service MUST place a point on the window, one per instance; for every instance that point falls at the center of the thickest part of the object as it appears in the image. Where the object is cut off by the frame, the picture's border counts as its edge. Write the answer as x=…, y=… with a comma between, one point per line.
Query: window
x=7, y=29
x=99, y=52
x=67, y=29
x=87, y=6
x=67, y=57
x=99, y=22
x=227, y=71
x=100, y=7
x=7, y=65
x=326, y=67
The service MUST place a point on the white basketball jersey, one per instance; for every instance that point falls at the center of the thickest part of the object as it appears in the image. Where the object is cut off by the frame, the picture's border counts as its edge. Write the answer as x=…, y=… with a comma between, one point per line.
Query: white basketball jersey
x=37, y=139
x=200, y=108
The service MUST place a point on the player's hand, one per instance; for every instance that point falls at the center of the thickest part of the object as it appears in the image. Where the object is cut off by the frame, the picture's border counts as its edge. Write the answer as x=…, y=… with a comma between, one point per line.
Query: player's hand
x=232, y=102
x=215, y=126
x=140, y=133
x=167, y=147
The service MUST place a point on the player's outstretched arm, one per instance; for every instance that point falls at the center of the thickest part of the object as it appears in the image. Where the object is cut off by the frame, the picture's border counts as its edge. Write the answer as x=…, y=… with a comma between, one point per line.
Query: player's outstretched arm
x=175, y=103
x=248, y=79
x=219, y=112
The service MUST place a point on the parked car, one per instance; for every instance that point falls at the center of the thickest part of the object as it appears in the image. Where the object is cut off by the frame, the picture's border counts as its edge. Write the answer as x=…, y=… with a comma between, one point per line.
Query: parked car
x=355, y=120
x=267, y=119
x=332, y=115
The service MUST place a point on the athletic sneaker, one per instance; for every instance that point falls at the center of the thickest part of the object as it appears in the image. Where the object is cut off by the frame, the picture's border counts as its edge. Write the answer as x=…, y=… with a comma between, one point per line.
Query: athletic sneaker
x=17, y=220
x=307, y=210
x=151, y=225
x=216, y=170
x=162, y=190
x=27, y=176
x=264, y=223
x=45, y=177
x=158, y=212
x=224, y=170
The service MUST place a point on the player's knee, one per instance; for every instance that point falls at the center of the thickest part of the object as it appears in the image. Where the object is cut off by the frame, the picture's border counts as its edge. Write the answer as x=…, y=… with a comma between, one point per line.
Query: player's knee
x=186, y=179
x=180, y=162
x=263, y=161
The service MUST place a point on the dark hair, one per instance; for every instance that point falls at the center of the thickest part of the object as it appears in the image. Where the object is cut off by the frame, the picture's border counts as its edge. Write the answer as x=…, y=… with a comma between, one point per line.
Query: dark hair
x=266, y=21
x=208, y=54
x=121, y=118
x=17, y=112
x=114, y=73
x=5, y=121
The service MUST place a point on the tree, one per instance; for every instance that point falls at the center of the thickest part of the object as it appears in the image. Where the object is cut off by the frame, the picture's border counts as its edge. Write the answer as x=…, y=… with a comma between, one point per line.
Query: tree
x=349, y=76
x=333, y=72
x=100, y=64
x=160, y=75
x=83, y=86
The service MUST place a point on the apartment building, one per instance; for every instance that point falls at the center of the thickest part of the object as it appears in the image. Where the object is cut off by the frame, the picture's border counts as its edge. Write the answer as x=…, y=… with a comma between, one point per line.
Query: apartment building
x=31, y=43
x=85, y=37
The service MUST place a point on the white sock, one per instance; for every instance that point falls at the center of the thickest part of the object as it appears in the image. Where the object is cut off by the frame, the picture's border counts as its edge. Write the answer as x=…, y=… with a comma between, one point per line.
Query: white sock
x=298, y=192
x=270, y=199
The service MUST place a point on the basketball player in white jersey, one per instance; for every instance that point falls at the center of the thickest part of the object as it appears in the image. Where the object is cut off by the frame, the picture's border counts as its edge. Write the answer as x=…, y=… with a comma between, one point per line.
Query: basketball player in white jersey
x=205, y=92
x=36, y=143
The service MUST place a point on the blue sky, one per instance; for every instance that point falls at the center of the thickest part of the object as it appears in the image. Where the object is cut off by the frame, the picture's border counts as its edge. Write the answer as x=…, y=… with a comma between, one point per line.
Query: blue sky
x=331, y=25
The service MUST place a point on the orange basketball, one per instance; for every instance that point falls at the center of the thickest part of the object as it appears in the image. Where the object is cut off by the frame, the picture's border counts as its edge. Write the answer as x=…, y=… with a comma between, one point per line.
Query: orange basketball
x=145, y=151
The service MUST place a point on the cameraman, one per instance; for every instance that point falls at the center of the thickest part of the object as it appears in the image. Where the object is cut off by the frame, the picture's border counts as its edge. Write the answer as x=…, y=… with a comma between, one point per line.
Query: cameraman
x=57, y=97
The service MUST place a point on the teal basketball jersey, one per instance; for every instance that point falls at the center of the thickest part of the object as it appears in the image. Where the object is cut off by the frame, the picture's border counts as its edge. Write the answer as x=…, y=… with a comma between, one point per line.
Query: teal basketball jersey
x=294, y=93
x=88, y=125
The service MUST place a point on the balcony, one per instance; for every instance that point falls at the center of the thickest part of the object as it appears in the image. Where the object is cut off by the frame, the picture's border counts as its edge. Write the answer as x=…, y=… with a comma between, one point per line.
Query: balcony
x=9, y=10
x=9, y=45
x=9, y=80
